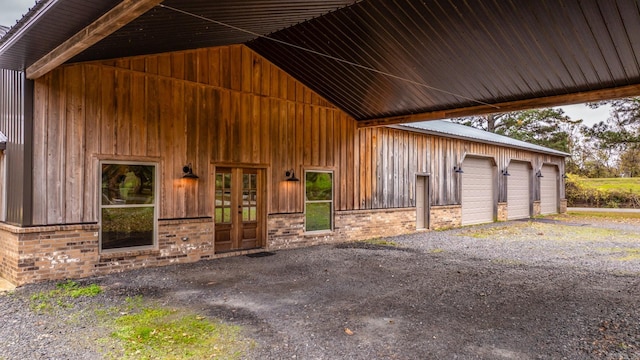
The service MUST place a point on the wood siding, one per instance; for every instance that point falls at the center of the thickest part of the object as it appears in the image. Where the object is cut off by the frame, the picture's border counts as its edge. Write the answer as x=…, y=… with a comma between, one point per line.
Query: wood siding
x=223, y=106
x=392, y=159
x=227, y=106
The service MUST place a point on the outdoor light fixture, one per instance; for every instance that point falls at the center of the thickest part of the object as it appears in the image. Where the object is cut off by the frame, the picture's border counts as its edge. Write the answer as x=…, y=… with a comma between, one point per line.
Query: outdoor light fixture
x=291, y=176
x=458, y=169
x=505, y=172
x=188, y=172
x=539, y=174
x=564, y=176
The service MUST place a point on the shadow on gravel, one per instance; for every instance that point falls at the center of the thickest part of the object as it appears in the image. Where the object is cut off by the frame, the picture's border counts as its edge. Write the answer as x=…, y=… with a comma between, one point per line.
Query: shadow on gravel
x=552, y=221
x=369, y=246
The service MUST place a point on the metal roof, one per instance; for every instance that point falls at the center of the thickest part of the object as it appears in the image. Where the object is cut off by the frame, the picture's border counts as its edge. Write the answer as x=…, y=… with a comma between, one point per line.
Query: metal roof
x=462, y=52
x=378, y=58
x=459, y=131
x=164, y=29
x=45, y=26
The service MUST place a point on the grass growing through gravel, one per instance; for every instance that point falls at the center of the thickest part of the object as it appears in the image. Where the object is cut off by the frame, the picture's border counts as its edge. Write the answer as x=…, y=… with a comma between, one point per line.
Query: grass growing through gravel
x=623, y=254
x=551, y=232
x=46, y=300
x=160, y=333
x=604, y=215
x=381, y=242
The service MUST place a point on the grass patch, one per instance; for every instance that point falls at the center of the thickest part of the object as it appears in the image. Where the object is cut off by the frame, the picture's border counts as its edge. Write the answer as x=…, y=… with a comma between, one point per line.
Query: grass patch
x=47, y=300
x=381, y=242
x=436, y=251
x=625, y=254
x=617, y=184
x=558, y=233
x=605, y=215
x=160, y=333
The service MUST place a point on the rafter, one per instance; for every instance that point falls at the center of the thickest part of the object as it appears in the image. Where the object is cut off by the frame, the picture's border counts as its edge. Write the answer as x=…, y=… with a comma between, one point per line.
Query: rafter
x=116, y=18
x=549, y=101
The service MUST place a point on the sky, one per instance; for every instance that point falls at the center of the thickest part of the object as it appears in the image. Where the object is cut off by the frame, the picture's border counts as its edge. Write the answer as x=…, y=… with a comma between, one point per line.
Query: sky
x=12, y=10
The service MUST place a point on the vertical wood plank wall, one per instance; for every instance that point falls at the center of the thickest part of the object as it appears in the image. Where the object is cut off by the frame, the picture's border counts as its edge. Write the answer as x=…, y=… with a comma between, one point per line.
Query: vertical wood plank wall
x=393, y=157
x=224, y=105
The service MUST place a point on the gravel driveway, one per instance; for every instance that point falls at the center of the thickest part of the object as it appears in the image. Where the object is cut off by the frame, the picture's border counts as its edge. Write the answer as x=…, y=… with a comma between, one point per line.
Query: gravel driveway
x=547, y=289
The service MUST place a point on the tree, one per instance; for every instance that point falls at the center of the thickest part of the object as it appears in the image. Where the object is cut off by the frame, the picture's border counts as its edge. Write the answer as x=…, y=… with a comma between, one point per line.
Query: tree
x=629, y=163
x=545, y=127
x=619, y=136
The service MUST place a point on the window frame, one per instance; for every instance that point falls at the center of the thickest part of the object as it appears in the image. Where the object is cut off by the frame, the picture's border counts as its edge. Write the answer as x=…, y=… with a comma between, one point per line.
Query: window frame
x=331, y=202
x=156, y=193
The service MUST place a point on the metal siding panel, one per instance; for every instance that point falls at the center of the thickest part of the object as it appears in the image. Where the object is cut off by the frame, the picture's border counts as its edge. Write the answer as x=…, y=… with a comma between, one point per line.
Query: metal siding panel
x=15, y=111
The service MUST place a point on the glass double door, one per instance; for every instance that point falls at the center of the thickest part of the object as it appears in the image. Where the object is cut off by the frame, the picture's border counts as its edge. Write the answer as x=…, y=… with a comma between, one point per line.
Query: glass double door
x=238, y=209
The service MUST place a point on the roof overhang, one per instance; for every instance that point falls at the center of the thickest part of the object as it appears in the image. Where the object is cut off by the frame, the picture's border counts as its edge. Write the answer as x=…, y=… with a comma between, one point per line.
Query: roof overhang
x=381, y=61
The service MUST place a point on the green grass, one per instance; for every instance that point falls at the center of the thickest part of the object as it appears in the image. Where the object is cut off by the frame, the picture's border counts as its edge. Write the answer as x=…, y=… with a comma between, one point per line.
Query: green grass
x=47, y=300
x=616, y=184
x=160, y=333
x=605, y=215
x=557, y=233
x=624, y=254
x=381, y=242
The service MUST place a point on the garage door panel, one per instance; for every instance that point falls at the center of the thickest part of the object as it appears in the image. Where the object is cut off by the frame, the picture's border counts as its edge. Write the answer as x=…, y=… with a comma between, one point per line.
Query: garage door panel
x=477, y=191
x=549, y=190
x=518, y=191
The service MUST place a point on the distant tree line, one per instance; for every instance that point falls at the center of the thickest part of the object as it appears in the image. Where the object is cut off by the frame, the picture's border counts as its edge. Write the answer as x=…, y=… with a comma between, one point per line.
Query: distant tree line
x=609, y=148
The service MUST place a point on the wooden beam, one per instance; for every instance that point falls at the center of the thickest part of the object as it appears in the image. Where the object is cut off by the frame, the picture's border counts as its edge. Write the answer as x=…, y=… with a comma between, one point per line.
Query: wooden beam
x=549, y=101
x=116, y=18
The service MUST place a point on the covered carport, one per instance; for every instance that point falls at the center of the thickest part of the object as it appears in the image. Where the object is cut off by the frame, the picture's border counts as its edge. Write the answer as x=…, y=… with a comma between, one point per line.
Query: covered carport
x=381, y=61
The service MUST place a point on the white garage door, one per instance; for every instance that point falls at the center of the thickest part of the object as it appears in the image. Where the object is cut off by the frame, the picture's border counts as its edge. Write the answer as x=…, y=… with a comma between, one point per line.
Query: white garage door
x=518, y=191
x=477, y=191
x=549, y=190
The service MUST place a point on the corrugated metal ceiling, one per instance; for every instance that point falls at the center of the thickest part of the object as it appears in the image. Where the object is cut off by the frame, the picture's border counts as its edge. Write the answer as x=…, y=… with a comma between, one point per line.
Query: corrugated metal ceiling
x=163, y=29
x=449, y=53
x=462, y=52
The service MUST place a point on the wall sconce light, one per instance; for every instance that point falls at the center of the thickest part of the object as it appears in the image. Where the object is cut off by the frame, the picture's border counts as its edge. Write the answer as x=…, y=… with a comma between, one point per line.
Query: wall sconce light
x=188, y=172
x=539, y=174
x=505, y=172
x=458, y=169
x=291, y=176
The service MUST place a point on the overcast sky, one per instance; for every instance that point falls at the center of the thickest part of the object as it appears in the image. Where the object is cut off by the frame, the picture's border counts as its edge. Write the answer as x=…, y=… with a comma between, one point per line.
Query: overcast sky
x=12, y=10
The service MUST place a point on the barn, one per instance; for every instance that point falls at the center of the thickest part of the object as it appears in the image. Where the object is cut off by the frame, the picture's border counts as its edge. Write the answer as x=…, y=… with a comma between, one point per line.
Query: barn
x=130, y=144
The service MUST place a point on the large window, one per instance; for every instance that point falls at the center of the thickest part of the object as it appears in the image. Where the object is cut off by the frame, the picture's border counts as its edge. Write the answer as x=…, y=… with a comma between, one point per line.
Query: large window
x=318, y=201
x=128, y=205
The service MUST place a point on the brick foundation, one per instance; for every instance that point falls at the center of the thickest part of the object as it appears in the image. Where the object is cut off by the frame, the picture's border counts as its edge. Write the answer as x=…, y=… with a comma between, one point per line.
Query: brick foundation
x=563, y=206
x=29, y=255
x=503, y=211
x=536, y=208
x=445, y=217
x=287, y=230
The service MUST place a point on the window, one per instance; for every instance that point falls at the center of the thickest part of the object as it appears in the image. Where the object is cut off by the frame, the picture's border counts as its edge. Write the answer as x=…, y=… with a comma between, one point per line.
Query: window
x=128, y=205
x=318, y=201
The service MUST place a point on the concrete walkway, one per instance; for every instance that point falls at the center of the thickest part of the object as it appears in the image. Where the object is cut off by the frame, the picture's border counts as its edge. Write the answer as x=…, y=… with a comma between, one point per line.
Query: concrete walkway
x=611, y=210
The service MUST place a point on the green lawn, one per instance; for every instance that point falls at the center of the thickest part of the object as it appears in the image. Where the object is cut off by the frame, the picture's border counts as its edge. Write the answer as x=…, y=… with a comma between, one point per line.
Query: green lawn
x=615, y=184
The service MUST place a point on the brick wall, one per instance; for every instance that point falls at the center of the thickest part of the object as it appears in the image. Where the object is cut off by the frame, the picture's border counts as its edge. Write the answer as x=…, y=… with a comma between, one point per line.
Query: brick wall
x=563, y=206
x=503, y=211
x=287, y=230
x=445, y=217
x=36, y=254
x=536, y=208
